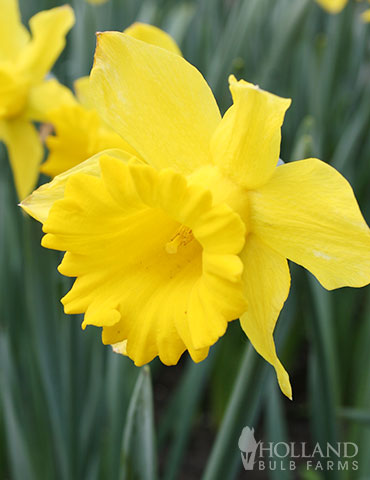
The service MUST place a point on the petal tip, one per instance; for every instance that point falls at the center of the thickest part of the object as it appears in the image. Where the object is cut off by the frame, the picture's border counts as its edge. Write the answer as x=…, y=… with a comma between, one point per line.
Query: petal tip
x=69, y=12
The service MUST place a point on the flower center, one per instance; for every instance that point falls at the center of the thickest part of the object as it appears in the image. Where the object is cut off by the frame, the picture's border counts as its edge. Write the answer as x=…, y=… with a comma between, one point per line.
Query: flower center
x=182, y=237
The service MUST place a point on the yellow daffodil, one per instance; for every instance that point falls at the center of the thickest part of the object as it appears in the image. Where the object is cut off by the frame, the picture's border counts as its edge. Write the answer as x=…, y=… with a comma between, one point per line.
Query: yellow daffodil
x=366, y=16
x=79, y=132
x=25, y=94
x=336, y=6
x=169, y=247
x=152, y=35
x=333, y=6
x=96, y=2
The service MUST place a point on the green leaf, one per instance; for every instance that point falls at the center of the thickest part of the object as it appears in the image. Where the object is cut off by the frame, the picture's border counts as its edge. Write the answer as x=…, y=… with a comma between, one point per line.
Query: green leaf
x=138, y=450
x=19, y=455
x=242, y=409
x=178, y=420
x=276, y=428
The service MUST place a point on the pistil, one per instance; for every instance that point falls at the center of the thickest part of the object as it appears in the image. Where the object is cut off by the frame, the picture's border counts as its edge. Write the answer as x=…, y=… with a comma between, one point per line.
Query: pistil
x=182, y=237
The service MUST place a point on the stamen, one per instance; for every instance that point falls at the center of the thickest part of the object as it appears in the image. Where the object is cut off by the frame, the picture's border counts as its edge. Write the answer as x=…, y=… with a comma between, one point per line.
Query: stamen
x=182, y=237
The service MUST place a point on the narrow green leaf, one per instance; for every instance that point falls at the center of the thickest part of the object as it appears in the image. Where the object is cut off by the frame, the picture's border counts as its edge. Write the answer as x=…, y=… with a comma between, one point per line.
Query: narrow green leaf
x=276, y=428
x=245, y=397
x=138, y=450
x=355, y=414
x=324, y=382
x=18, y=452
x=179, y=420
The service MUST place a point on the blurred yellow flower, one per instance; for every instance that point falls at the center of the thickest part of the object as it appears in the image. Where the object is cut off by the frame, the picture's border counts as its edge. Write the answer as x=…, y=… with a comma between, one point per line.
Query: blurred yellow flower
x=79, y=132
x=25, y=94
x=96, y=2
x=366, y=15
x=333, y=6
x=336, y=6
x=170, y=247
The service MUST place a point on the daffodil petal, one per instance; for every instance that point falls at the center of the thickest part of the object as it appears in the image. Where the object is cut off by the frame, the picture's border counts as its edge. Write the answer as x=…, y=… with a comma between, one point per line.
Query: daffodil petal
x=25, y=153
x=46, y=97
x=96, y=2
x=267, y=282
x=13, y=92
x=49, y=29
x=82, y=89
x=157, y=102
x=79, y=134
x=153, y=35
x=116, y=230
x=366, y=16
x=307, y=212
x=39, y=203
x=13, y=35
x=332, y=6
x=246, y=144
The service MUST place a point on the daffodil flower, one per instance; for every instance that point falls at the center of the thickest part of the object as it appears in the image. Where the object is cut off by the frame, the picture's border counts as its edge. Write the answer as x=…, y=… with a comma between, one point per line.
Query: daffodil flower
x=169, y=247
x=96, y=2
x=332, y=6
x=336, y=6
x=79, y=132
x=25, y=93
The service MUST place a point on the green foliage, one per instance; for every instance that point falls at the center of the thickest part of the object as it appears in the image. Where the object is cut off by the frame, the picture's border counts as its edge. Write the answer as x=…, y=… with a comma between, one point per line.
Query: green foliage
x=69, y=407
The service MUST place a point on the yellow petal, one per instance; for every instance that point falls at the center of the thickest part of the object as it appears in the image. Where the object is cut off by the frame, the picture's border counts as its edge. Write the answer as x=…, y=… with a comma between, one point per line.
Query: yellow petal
x=116, y=230
x=39, y=203
x=25, y=153
x=153, y=35
x=333, y=6
x=246, y=144
x=49, y=29
x=13, y=35
x=267, y=281
x=82, y=89
x=96, y=2
x=79, y=134
x=13, y=92
x=308, y=213
x=366, y=16
x=157, y=102
x=45, y=97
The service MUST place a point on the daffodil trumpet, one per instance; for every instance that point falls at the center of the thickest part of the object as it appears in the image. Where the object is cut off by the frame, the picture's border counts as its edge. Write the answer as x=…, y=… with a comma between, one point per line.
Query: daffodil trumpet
x=169, y=245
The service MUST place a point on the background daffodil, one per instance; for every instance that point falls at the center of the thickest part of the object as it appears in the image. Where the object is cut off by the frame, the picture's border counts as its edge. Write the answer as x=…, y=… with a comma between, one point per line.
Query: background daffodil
x=79, y=132
x=26, y=95
x=333, y=6
x=167, y=252
x=96, y=2
x=336, y=6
